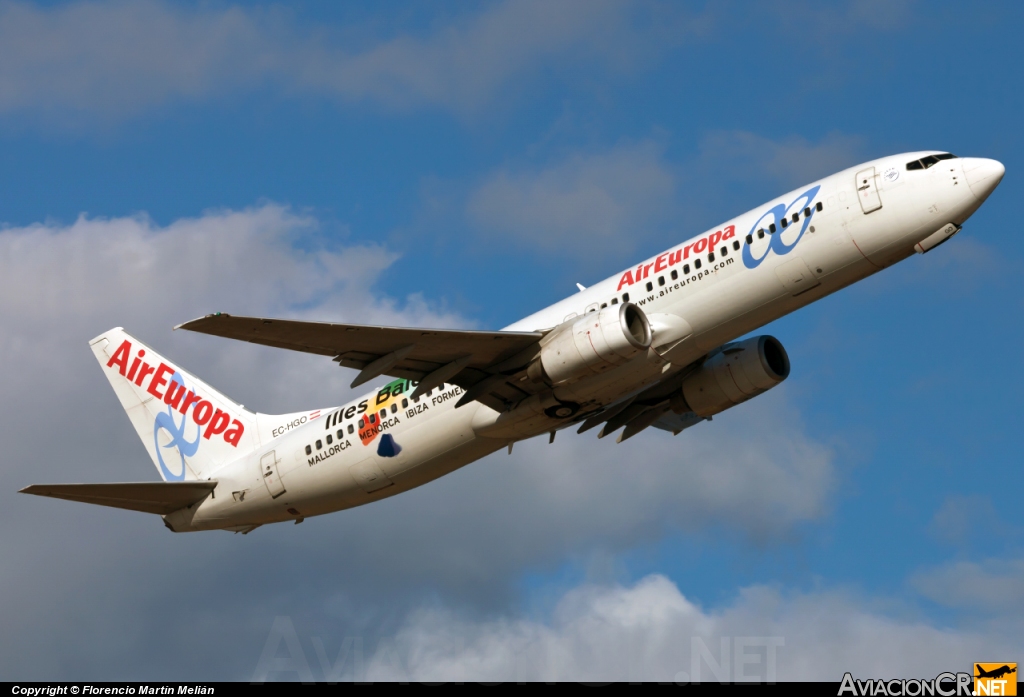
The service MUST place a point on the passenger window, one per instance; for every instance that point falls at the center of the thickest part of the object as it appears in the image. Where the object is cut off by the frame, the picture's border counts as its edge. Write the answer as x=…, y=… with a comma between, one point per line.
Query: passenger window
x=341, y=433
x=696, y=263
x=625, y=297
x=440, y=388
x=319, y=445
x=916, y=164
x=661, y=280
x=818, y=206
x=373, y=418
x=686, y=268
x=405, y=403
x=736, y=244
x=330, y=439
x=771, y=228
x=796, y=217
x=760, y=234
x=394, y=408
x=383, y=414
x=675, y=274
x=615, y=301
x=750, y=238
x=362, y=423
x=711, y=256
x=650, y=286
x=350, y=429
x=785, y=223
x=309, y=450
x=723, y=251
x=807, y=212
x=604, y=305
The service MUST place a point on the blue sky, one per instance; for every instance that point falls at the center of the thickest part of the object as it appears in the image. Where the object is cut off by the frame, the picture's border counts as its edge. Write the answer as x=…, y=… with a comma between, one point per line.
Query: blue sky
x=464, y=164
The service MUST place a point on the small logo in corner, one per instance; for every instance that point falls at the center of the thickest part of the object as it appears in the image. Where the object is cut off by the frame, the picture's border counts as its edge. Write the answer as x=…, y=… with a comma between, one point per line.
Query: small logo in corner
x=995, y=679
x=891, y=174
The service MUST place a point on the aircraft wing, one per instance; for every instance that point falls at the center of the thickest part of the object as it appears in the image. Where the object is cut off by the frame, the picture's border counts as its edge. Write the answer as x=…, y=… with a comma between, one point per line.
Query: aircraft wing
x=149, y=497
x=429, y=356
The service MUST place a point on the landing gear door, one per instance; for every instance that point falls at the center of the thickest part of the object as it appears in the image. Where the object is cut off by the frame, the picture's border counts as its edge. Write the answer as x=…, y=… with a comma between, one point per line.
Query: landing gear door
x=796, y=277
x=867, y=191
x=369, y=476
x=271, y=477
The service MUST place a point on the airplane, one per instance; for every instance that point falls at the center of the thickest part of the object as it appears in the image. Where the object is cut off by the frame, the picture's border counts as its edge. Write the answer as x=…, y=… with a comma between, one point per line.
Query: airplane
x=659, y=344
x=995, y=673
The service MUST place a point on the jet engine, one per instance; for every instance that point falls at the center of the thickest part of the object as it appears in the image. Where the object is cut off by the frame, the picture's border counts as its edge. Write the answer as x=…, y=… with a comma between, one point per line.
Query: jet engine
x=737, y=373
x=591, y=344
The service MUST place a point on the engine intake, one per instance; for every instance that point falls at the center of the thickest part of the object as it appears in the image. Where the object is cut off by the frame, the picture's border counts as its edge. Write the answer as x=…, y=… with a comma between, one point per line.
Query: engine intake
x=592, y=344
x=737, y=373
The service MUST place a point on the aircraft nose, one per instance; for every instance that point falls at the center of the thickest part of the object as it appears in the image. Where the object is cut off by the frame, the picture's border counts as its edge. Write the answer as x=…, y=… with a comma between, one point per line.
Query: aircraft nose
x=983, y=175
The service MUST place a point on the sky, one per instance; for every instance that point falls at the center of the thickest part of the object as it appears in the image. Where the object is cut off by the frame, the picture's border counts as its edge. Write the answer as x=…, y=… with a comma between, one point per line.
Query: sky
x=464, y=164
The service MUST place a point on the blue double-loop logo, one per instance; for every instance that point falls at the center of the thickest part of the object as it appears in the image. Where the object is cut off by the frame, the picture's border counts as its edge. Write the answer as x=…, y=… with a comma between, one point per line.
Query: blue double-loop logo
x=776, y=215
x=186, y=448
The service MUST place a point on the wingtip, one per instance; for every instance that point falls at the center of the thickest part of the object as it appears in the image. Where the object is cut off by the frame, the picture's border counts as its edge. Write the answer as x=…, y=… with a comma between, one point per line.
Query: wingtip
x=185, y=325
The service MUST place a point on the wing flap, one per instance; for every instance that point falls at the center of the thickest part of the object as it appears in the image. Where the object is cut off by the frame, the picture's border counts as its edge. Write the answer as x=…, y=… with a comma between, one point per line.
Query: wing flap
x=161, y=498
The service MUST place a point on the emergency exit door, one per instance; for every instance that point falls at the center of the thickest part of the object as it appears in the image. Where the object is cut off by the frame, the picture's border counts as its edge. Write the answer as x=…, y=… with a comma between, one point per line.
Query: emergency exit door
x=268, y=466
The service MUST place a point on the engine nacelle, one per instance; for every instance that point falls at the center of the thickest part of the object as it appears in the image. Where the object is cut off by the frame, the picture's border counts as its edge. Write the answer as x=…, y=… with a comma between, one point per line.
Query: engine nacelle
x=737, y=373
x=593, y=343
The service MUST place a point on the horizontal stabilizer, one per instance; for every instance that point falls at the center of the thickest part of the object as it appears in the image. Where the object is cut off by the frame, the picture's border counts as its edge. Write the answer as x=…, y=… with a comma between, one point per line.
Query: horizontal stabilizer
x=161, y=498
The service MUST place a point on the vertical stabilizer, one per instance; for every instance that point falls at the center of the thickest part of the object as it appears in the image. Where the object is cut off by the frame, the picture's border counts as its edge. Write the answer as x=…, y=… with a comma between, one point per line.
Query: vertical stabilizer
x=188, y=428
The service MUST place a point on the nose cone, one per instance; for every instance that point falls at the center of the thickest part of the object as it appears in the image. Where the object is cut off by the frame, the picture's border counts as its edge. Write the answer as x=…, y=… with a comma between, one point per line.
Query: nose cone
x=983, y=175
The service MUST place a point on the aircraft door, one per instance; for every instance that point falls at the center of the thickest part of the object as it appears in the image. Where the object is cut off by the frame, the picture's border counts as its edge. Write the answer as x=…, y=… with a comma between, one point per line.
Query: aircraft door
x=271, y=477
x=867, y=191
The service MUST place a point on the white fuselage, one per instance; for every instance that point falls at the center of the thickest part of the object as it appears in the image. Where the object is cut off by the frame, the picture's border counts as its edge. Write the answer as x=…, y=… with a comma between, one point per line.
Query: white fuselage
x=721, y=293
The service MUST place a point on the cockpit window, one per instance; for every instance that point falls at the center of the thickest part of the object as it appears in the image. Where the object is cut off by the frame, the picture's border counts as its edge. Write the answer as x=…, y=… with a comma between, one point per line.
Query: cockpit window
x=928, y=161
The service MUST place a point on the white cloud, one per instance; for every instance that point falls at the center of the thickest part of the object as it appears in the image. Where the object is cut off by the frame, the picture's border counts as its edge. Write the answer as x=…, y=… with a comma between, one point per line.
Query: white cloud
x=62, y=285
x=114, y=58
x=119, y=57
x=590, y=203
x=745, y=156
x=961, y=516
x=603, y=203
x=462, y=64
x=649, y=631
x=995, y=586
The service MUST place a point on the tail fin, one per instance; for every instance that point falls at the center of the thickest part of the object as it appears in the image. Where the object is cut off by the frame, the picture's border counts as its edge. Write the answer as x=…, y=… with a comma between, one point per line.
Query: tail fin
x=188, y=428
